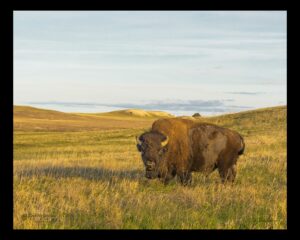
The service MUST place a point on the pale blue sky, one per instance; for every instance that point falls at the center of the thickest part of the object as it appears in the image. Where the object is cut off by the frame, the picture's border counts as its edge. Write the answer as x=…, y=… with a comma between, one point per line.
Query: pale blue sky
x=181, y=62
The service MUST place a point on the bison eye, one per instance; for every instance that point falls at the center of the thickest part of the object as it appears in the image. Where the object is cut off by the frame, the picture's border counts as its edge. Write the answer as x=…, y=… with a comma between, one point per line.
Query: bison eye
x=162, y=151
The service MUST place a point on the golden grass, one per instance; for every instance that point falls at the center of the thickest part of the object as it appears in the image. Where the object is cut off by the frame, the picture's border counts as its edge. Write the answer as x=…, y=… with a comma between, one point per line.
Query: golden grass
x=138, y=113
x=82, y=179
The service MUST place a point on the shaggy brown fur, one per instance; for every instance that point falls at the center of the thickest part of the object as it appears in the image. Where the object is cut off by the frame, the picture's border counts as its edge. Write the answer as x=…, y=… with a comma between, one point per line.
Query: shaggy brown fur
x=191, y=146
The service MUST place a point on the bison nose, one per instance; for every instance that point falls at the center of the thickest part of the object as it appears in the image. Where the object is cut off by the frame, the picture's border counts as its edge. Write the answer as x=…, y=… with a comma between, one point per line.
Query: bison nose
x=148, y=175
x=149, y=169
x=150, y=164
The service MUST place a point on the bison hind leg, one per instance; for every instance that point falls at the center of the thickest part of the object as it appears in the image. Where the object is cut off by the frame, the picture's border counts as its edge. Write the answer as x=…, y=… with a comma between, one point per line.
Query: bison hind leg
x=228, y=174
x=231, y=174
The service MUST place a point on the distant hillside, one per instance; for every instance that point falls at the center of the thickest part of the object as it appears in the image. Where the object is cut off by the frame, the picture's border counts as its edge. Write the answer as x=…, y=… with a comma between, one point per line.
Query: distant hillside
x=138, y=113
x=248, y=122
x=35, y=119
x=38, y=113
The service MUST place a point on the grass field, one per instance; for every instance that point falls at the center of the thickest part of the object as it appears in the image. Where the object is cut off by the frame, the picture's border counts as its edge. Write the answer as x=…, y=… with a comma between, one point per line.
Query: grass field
x=82, y=171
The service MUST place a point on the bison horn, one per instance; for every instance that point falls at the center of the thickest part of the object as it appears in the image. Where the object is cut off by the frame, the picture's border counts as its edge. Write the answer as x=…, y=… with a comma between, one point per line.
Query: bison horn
x=137, y=140
x=164, y=143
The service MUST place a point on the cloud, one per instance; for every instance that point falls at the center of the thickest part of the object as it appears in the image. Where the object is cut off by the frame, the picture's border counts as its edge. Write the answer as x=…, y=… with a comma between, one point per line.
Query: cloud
x=177, y=105
x=247, y=93
x=210, y=106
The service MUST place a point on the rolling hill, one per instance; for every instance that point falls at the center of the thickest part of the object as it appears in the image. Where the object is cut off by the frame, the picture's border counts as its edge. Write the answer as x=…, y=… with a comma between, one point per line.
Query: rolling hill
x=28, y=118
x=137, y=113
x=35, y=119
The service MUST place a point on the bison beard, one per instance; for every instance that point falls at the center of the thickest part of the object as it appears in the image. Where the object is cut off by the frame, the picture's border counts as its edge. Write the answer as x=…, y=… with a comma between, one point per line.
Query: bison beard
x=180, y=146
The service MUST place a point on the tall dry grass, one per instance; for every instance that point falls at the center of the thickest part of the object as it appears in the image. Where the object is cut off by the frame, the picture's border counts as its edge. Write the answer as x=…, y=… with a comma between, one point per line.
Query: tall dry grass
x=95, y=180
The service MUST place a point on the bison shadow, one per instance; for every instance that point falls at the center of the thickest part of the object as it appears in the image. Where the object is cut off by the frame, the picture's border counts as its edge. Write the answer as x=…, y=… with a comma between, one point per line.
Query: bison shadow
x=103, y=174
x=89, y=173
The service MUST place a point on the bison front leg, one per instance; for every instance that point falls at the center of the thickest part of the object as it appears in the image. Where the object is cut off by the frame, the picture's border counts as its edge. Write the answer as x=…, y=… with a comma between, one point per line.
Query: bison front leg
x=166, y=180
x=167, y=177
x=185, y=178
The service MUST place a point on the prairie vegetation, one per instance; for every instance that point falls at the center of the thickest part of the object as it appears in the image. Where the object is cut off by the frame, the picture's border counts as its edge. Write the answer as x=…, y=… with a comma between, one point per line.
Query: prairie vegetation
x=82, y=171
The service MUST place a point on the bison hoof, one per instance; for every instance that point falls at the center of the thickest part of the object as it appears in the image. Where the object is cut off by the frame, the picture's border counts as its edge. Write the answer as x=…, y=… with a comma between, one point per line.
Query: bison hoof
x=186, y=179
x=186, y=183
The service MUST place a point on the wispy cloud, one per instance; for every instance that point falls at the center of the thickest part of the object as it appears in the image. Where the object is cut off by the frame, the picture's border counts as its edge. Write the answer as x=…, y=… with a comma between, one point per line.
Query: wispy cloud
x=210, y=106
x=247, y=93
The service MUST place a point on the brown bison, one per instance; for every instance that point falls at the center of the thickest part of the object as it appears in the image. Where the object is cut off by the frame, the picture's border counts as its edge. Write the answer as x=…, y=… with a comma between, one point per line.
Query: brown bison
x=177, y=146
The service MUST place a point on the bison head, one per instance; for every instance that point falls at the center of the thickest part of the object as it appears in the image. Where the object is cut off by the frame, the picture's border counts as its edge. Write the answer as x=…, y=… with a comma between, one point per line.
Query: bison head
x=153, y=146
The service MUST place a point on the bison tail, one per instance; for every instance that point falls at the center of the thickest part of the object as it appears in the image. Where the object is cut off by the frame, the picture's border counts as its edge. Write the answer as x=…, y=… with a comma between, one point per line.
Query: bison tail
x=241, y=151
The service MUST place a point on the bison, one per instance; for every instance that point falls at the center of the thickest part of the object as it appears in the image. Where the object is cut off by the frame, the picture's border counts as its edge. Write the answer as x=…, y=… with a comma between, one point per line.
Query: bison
x=179, y=147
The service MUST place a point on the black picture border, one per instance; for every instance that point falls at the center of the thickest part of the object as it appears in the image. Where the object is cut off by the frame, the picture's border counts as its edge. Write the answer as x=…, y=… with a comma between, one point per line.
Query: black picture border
x=6, y=122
